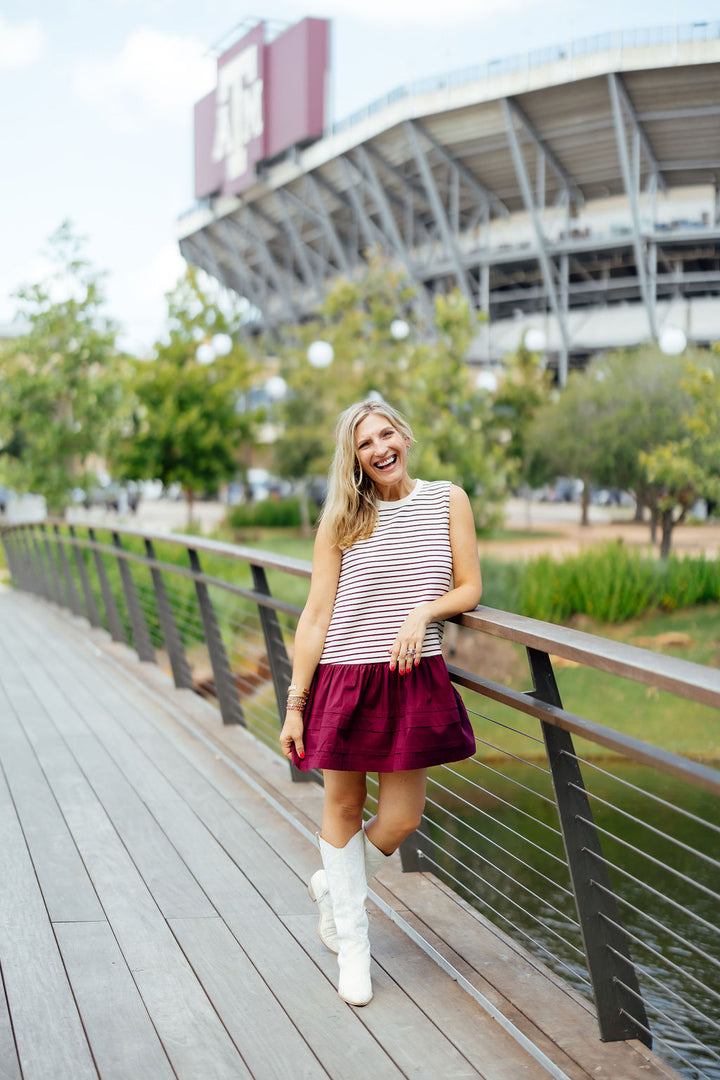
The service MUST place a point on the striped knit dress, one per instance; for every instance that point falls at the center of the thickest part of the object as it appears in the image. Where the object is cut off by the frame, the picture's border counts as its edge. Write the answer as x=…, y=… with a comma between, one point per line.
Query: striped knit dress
x=360, y=716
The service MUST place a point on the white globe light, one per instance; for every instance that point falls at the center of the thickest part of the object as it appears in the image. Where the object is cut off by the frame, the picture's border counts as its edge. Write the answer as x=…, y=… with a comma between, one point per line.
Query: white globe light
x=375, y=395
x=320, y=354
x=486, y=380
x=222, y=344
x=399, y=329
x=205, y=353
x=275, y=387
x=672, y=340
x=535, y=339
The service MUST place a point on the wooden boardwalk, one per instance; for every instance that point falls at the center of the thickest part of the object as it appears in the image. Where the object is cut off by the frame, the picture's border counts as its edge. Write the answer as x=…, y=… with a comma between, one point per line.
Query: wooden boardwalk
x=154, y=919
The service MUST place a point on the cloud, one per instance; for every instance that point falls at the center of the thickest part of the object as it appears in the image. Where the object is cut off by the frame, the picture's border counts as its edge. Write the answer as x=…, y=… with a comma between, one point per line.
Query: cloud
x=154, y=75
x=21, y=45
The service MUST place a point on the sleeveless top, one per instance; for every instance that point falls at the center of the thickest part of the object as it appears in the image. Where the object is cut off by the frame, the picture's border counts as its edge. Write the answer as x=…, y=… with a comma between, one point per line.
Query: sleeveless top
x=405, y=562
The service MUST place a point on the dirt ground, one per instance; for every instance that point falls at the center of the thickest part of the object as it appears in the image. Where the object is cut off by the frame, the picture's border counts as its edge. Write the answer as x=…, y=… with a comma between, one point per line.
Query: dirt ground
x=560, y=533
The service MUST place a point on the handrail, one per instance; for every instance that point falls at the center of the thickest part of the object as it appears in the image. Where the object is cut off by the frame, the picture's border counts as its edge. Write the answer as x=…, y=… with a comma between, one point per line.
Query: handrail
x=682, y=677
x=182, y=608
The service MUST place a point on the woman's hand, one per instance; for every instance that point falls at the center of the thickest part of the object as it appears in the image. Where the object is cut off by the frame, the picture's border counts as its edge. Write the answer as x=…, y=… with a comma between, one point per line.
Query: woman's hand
x=292, y=735
x=407, y=647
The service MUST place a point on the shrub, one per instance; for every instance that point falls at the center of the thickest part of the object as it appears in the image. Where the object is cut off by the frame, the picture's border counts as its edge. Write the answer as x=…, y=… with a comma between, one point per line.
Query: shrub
x=267, y=514
x=613, y=584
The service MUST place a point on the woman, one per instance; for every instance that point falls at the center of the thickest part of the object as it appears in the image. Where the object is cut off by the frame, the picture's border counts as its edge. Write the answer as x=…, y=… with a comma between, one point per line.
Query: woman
x=370, y=692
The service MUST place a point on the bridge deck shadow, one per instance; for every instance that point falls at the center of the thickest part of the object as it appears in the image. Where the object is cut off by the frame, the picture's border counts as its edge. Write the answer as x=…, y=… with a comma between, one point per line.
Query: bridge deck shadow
x=154, y=918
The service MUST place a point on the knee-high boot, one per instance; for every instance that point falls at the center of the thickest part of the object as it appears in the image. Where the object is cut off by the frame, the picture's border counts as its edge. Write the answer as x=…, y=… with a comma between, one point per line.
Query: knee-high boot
x=318, y=889
x=347, y=884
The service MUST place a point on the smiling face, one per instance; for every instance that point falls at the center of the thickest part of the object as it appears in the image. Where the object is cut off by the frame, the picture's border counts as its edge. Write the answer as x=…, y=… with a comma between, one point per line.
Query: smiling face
x=382, y=453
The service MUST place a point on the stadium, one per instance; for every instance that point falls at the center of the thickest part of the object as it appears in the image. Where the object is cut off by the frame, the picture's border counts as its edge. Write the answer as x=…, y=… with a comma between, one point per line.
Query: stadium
x=573, y=192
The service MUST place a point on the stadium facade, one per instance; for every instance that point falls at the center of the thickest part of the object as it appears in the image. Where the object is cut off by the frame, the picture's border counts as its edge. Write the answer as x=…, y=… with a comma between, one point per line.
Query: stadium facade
x=574, y=191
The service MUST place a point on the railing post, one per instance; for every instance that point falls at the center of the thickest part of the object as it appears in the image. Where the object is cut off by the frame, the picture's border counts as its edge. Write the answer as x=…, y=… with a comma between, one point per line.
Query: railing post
x=621, y=1013
x=71, y=590
x=53, y=578
x=13, y=557
x=141, y=634
x=91, y=608
x=230, y=708
x=171, y=636
x=42, y=573
x=114, y=622
x=280, y=666
x=22, y=568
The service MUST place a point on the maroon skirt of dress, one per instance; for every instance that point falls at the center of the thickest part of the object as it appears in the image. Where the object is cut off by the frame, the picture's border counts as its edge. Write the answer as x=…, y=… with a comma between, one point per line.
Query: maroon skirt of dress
x=367, y=718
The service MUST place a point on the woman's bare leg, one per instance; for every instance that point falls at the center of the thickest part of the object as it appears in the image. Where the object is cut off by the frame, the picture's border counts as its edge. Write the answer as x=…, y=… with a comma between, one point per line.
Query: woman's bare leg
x=345, y=794
x=401, y=800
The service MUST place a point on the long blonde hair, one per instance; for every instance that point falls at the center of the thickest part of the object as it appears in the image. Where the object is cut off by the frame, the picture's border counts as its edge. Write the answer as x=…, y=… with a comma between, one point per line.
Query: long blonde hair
x=350, y=511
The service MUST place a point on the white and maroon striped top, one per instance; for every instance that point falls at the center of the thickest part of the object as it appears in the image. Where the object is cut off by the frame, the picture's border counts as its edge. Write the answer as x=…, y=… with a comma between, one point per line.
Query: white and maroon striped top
x=407, y=561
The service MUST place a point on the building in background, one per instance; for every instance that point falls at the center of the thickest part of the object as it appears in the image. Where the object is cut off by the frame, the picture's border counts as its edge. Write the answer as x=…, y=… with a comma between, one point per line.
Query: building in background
x=573, y=192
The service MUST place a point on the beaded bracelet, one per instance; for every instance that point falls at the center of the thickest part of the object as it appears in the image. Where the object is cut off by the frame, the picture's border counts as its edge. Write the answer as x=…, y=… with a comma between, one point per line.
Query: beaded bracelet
x=297, y=698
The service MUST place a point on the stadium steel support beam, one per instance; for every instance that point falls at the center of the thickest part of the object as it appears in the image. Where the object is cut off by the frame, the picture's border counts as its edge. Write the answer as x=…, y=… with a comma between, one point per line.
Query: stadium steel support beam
x=418, y=229
x=367, y=173
x=546, y=155
x=640, y=139
x=327, y=224
x=484, y=194
x=232, y=259
x=297, y=244
x=438, y=210
x=546, y=266
x=274, y=270
x=631, y=183
x=321, y=259
x=249, y=230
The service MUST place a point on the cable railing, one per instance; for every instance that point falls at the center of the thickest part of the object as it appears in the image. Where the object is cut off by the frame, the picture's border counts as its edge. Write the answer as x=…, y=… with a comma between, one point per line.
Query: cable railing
x=597, y=852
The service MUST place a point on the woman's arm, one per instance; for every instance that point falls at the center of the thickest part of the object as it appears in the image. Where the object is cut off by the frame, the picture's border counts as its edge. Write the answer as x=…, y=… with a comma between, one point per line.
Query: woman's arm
x=465, y=594
x=311, y=632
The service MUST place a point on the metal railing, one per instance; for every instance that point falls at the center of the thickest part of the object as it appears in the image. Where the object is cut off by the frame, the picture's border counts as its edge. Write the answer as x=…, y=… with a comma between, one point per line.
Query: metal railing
x=595, y=850
x=617, y=41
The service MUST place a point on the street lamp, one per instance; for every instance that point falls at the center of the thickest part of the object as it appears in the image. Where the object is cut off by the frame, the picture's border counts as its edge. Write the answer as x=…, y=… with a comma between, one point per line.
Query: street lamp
x=399, y=329
x=320, y=354
x=218, y=345
x=535, y=339
x=672, y=340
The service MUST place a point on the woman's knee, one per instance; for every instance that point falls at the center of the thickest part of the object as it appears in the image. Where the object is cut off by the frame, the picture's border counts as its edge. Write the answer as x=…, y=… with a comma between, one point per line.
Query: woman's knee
x=399, y=822
x=346, y=801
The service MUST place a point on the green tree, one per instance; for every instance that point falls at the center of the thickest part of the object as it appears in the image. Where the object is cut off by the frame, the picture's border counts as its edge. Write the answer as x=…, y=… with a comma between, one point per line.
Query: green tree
x=525, y=385
x=624, y=404
x=424, y=375
x=60, y=380
x=187, y=425
x=686, y=468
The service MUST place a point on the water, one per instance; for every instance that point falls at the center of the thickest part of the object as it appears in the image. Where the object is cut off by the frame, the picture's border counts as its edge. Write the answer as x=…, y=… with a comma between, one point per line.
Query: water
x=503, y=849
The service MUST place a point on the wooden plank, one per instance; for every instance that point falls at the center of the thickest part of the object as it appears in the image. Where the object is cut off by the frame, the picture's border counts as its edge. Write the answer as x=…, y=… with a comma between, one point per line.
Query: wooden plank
x=271, y=1045
x=188, y=1026
x=121, y=1035
x=66, y=887
x=214, y=773
x=291, y=975
x=9, y=1064
x=558, y=1020
x=44, y=1016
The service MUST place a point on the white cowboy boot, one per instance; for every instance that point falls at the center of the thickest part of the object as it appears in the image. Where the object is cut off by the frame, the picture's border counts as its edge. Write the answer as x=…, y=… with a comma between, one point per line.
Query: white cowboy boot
x=374, y=861
x=347, y=884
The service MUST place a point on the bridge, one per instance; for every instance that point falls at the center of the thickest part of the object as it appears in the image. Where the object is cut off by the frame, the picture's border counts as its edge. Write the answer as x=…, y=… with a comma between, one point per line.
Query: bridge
x=155, y=848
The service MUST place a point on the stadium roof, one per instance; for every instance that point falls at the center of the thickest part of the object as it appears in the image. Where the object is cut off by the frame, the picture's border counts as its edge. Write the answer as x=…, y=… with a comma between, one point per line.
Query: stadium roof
x=481, y=179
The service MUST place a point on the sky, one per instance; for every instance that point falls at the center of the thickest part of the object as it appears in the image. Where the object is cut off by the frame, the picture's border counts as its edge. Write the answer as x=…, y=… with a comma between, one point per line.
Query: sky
x=96, y=107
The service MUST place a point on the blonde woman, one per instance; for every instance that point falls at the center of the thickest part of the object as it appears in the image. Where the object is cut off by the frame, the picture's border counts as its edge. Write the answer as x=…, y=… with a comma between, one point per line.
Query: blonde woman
x=394, y=556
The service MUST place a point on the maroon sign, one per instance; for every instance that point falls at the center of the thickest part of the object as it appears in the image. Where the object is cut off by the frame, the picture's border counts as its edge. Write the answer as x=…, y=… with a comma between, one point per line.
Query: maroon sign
x=268, y=98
